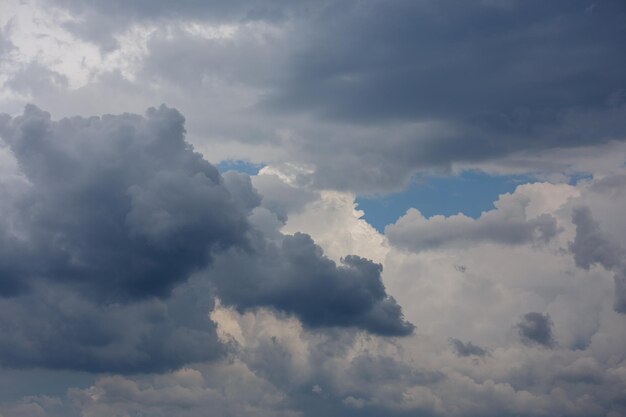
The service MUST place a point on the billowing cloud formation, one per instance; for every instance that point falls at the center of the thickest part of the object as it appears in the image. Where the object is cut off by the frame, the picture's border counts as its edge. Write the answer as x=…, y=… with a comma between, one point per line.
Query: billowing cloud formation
x=592, y=246
x=536, y=328
x=278, y=365
x=294, y=276
x=119, y=205
x=109, y=219
x=333, y=97
x=508, y=223
x=111, y=213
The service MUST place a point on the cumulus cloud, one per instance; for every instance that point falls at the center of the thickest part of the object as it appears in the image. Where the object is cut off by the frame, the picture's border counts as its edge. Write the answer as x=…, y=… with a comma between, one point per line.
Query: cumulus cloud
x=536, y=328
x=341, y=373
x=287, y=366
x=119, y=205
x=507, y=224
x=294, y=276
x=117, y=238
x=113, y=216
x=114, y=213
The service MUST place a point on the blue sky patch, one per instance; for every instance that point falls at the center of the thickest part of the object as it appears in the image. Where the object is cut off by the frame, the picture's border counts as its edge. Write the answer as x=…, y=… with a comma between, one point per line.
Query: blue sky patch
x=470, y=193
x=239, y=166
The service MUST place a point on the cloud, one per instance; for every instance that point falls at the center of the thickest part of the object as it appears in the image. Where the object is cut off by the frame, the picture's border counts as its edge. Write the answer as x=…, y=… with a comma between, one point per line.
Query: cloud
x=583, y=370
x=113, y=214
x=34, y=406
x=411, y=75
x=619, y=303
x=464, y=349
x=245, y=196
x=100, y=23
x=119, y=205
x=294, y=276
x=114, y=245
x=515, y=84
x=507, y=224
x=53, y=328
x=342, y=372
x=5, y=44
x=536, y=328
x=592, y=246
x=282, y=196
x=365, y=121
x=224, y=389
x=111, y=221
x=34, y=78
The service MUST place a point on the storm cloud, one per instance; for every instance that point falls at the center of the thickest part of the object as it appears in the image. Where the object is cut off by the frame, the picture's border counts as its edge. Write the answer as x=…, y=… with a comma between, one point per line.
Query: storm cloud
x=52, y=327
x=119, y=205
x=112, y=216
x=412, y=86
x=294, y=276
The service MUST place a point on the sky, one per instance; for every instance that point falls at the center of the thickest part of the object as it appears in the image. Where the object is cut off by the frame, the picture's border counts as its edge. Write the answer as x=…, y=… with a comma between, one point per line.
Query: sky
x=332, y=207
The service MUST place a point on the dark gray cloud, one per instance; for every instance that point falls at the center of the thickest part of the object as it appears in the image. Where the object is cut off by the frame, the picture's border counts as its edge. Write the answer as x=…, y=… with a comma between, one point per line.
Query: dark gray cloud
x=113, y=213
x=464, y=349
x=499, y=78
x=509, y=66
x=411, y=86
x=536, y=328
x=294, y=276
x=119, y=205
x=113, y=217
x=55, y=328
x=241, y=191
x=592, y=246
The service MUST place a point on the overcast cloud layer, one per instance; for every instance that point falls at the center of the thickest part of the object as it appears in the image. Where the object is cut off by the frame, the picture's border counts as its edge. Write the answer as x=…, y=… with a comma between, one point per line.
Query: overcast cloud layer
x=364, y=93
x=136, y=279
